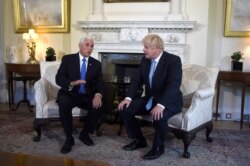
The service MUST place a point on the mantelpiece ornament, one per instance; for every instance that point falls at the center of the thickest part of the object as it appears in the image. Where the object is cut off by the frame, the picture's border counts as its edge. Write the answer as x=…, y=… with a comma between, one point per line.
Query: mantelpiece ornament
x=126, y=36
x=181, y=26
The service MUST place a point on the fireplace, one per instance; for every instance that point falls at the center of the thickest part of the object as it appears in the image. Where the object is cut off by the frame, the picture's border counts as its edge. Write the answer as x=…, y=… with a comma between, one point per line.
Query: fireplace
x=117, y=66
x=118, y=69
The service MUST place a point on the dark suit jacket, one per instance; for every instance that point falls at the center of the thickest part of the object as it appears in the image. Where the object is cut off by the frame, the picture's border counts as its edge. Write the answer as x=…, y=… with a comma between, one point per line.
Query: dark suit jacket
x=69, y=70
x=165, y=83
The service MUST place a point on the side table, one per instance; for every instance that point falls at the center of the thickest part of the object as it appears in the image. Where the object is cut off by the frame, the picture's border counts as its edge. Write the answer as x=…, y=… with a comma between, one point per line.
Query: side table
x=24, y=73
x=242, y=78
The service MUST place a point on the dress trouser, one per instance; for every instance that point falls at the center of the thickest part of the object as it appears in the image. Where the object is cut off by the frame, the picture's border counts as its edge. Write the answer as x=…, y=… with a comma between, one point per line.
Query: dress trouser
x=137, y=107
x=67, y=101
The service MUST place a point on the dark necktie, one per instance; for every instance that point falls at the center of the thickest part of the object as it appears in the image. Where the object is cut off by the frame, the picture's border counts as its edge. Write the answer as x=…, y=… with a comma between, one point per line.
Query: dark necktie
x=151, y=74
x=83, y=75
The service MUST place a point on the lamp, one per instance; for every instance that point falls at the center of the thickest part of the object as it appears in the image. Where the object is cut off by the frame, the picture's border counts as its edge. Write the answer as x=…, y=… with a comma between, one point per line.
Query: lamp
x=30, y=38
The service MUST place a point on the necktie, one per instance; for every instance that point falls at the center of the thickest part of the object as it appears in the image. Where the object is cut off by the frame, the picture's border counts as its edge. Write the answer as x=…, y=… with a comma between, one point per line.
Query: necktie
x=151, y=74
x=83, y=75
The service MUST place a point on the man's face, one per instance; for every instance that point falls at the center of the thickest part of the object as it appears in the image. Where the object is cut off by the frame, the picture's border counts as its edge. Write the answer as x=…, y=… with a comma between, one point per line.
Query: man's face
x=150, y=52
x=86, y=47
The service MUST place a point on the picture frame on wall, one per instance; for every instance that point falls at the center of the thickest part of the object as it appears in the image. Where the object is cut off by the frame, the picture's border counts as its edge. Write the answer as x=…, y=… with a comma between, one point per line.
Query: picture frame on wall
x=237, y=18
x=120, y=1
x=45, y=16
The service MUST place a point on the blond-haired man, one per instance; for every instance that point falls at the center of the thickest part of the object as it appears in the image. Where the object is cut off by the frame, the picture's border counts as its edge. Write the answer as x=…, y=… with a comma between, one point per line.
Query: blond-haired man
x=161, y=74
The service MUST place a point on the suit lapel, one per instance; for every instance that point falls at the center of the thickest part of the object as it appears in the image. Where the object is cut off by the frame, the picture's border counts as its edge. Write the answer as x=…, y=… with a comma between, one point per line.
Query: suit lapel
x=158, y=69
x=76, y=64
x=89, y=68
x=148, y=64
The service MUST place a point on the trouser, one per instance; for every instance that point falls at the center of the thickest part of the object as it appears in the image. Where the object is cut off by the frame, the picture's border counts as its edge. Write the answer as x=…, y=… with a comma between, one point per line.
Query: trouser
x=67, y=101
x=137, y=107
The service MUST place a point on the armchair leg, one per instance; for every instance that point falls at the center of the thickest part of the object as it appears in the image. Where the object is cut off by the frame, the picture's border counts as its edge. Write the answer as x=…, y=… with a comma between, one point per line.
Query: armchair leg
x=37, y=124
x=187, y=139
x=209, y=129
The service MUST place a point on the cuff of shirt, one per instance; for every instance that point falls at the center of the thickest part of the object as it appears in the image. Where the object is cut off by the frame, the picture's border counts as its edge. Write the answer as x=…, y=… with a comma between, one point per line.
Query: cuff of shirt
x=70, y=87
x=99, y=94
x=128, y=98
x=160, y=105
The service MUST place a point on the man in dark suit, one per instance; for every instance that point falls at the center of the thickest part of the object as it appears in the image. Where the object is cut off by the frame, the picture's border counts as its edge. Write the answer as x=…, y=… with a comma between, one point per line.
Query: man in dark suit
x=161, y=74
x=80, y=79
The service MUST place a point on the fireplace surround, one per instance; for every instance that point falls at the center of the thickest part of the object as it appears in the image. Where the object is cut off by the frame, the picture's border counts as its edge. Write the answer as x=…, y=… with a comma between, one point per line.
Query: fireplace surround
x=126, y=36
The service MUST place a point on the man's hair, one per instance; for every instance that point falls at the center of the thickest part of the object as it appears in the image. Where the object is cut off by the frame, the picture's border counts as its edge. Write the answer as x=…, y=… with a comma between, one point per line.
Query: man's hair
x=83, y=39
x=154, y=41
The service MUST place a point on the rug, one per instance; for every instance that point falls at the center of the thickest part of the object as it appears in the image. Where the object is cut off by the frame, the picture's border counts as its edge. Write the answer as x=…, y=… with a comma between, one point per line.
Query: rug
x=230, y=147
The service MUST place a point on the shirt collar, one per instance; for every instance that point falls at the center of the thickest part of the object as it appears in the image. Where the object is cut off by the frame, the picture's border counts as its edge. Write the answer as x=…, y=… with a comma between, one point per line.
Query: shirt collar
x=81, y=57
x=158, y=58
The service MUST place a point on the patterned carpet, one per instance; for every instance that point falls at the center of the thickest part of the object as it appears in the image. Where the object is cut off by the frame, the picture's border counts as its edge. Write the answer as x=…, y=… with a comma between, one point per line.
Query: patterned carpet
x=230, y=147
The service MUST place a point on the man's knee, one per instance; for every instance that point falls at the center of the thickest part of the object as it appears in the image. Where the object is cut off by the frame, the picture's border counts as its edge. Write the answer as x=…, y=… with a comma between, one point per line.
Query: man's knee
x=64, y=100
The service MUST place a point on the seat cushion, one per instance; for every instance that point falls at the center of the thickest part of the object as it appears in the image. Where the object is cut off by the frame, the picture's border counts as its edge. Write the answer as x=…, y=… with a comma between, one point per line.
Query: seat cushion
x=51, y=110
x=176, y=120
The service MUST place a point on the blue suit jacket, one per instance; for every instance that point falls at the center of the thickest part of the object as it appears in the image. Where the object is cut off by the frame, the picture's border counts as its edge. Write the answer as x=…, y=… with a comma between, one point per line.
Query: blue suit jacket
x=69, y=70
x=165, y=83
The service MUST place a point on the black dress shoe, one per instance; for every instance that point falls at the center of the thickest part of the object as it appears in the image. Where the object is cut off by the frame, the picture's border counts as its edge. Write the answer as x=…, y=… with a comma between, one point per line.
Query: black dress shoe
x=154, y=153
x=136, y=144
x=67, y=145
x=86, y=139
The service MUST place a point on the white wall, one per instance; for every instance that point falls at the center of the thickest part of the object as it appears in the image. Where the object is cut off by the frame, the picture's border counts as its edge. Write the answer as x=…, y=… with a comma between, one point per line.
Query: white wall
x=206, y=45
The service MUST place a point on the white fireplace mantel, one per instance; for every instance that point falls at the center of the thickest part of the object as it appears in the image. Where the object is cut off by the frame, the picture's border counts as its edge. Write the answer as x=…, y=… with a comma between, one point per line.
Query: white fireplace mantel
x=181, y=26
x=126, y=36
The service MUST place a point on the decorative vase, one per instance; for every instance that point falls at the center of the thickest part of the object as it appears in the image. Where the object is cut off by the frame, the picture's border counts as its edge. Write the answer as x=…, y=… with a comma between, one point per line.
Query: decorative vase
x=50, y=58
x=236, y=66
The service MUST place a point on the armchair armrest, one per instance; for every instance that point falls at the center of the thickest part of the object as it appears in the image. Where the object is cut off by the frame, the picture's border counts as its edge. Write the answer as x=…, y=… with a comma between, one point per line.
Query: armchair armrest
x=205, y=93
x=41, y=97
x=200, y=110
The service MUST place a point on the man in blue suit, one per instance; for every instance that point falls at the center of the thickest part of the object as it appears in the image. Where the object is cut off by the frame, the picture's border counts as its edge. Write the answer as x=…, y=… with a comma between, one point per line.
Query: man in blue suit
x=80, y=79
x=161, y=74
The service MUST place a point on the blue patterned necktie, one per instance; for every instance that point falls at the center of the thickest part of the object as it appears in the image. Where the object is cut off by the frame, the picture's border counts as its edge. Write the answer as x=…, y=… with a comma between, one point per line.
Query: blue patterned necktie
x=151, y=74
x=83, y=75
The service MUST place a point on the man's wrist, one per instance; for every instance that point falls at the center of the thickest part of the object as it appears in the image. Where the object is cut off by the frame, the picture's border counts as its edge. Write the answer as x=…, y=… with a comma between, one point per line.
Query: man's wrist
x=70, y=86
x=160, y=105
x=98, y=94
x=128, y=98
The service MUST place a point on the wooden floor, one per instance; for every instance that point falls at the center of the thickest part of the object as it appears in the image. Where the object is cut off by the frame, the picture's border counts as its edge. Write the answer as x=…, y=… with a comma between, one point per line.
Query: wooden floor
x=19, y=159
x=226, y=124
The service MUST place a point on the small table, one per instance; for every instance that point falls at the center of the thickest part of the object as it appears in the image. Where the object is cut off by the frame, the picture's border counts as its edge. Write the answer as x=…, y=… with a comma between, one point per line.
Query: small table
x=242, y=78
x=20, y=72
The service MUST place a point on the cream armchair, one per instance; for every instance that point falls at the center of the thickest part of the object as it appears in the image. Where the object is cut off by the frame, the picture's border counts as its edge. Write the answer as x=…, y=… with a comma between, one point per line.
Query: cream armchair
x=198, y=87
x=45, y=96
